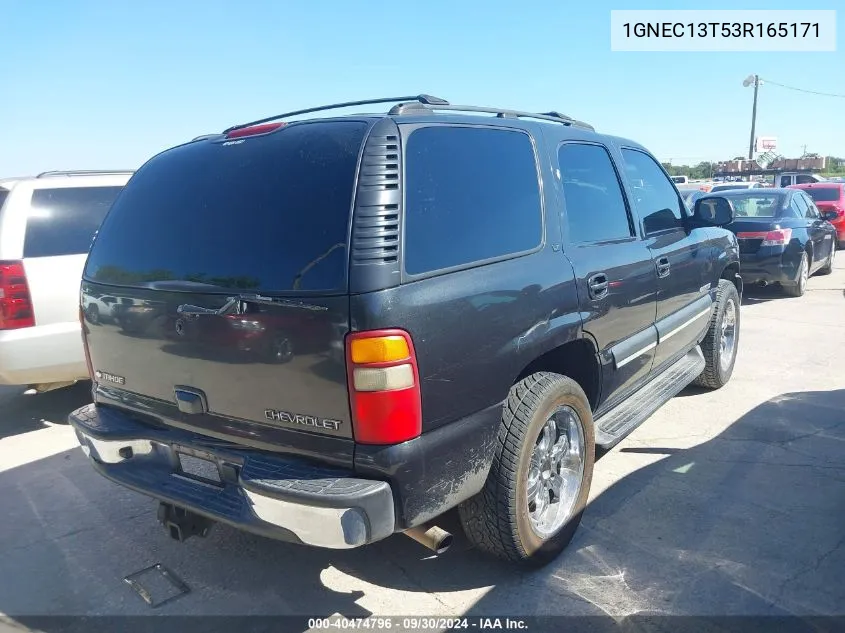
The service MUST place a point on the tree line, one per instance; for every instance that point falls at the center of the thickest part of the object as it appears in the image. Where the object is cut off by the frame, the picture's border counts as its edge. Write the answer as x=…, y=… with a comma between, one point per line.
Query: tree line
x=705, y=169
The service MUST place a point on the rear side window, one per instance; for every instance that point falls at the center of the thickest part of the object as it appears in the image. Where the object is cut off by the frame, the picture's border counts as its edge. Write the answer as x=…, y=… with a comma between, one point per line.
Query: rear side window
x=3, y=194
x=64, y=221
x=472, y=194
x=270, y=213
x=820, y=194
x=595, y=208
x=801, y=203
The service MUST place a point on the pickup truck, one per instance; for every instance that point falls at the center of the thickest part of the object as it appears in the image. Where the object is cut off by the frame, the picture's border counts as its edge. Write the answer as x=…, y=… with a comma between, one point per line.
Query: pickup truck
x=352, y=325
x=788, y=178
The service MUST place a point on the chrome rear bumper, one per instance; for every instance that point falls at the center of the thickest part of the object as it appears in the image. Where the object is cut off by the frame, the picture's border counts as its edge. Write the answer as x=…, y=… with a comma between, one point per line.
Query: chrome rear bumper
x=279, y=497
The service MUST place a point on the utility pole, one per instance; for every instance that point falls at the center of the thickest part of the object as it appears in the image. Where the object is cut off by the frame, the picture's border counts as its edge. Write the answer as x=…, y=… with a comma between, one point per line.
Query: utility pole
x=756, y=80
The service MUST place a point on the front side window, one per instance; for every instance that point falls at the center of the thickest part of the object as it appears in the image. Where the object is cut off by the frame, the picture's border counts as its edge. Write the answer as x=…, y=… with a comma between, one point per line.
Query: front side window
x=595, y=206
x=655, y=196
x=472, y=194
x=63, y=221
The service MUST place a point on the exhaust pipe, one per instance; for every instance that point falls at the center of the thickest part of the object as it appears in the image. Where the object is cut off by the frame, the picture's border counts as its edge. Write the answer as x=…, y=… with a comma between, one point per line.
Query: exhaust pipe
x=434, y=538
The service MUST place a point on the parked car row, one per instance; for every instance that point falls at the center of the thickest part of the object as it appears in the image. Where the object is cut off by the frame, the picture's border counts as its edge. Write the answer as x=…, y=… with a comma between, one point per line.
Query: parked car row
x=779, y=179
x=331, y=330
x=47, y=223
x=786, y=234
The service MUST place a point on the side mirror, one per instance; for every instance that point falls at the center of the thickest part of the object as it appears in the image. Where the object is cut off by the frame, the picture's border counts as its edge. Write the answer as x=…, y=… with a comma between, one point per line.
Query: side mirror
x=713, y=211
x=830, y=216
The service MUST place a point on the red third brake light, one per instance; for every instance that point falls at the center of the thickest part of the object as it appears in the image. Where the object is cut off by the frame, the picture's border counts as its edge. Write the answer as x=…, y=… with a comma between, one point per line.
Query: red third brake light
x=16, y=309
x=384, y=386
x=253, y=130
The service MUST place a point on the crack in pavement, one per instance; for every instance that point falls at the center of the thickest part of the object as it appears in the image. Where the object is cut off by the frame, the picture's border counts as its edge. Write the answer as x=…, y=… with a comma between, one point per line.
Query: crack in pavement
x=811, y=568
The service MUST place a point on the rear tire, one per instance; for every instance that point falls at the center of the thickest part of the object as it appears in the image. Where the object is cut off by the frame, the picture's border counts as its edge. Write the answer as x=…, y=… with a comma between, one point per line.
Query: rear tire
x=500, y=519
x=93, y=314
x=799, y=287
x=722, y=339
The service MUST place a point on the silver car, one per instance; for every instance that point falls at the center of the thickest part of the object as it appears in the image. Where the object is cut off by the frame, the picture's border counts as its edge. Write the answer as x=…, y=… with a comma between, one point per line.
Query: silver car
x=47, y=224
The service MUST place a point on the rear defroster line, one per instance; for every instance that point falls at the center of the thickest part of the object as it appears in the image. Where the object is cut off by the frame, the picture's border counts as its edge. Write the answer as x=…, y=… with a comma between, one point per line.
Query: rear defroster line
x=154, y=574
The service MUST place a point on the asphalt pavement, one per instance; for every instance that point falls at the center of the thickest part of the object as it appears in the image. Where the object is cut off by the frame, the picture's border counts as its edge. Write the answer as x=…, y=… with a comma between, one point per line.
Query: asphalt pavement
x=723, y=503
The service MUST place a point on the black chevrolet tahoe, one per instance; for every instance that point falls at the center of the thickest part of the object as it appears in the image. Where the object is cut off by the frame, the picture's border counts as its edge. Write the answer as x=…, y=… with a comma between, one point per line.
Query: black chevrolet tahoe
x=338, y=328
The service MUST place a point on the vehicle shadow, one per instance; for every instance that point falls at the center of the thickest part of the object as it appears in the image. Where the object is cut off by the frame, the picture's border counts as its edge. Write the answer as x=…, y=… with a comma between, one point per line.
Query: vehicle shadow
x=21, y=413
x=754, y=294
x=746, y=523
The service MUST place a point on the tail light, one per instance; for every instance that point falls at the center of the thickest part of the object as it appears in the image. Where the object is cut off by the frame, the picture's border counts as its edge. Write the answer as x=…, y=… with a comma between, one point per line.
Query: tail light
x=16, y=310
x=85, y=344
x=778, y=237
x=384, y=389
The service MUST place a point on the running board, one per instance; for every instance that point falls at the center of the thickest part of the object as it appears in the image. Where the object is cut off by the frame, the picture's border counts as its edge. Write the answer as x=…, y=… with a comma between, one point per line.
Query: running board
x=617, y=423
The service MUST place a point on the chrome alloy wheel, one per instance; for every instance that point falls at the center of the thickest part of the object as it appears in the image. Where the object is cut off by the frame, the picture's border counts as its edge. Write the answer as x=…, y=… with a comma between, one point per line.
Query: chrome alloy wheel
x=728, y=337
x=804, y=273
x=556, y=471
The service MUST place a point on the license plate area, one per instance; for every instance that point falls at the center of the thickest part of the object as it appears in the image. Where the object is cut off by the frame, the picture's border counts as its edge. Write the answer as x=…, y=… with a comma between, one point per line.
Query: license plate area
x=198, y=465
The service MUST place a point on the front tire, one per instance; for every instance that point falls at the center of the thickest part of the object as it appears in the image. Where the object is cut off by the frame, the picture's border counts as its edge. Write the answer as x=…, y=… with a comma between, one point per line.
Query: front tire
x=539, y=481
x=721, y=342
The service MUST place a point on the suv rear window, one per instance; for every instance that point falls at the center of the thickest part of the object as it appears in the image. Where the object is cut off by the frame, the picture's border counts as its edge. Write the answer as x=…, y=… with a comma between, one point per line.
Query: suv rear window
x=472, y=194
x=270, y=213
x=824, y=194
x=63, y=221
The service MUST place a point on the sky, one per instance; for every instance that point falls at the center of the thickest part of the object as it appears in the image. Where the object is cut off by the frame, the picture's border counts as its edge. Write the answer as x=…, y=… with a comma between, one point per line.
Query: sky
x=107, y=84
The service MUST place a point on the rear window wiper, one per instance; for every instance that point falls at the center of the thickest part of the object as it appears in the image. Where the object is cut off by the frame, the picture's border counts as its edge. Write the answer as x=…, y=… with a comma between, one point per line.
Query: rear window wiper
x=237, y=304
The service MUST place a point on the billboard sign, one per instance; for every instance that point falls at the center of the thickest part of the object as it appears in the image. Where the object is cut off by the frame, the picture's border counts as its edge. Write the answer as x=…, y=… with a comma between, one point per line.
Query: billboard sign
x=766, y=143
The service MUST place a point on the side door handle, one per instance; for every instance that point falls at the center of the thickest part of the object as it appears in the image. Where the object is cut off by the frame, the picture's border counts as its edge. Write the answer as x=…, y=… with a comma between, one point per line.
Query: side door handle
x=663, y=267
x=598, y=286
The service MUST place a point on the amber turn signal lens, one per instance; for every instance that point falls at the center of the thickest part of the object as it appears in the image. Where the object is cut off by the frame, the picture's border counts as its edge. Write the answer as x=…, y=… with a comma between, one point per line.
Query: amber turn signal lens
x=379, y=349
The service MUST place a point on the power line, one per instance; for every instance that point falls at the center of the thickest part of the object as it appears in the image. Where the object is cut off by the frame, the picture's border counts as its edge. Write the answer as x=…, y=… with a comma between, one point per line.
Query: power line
x=812, y=92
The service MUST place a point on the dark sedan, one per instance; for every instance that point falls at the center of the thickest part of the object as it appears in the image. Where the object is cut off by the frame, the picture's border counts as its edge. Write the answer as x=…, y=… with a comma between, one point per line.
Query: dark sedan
x=783, y=237
x=690, y=195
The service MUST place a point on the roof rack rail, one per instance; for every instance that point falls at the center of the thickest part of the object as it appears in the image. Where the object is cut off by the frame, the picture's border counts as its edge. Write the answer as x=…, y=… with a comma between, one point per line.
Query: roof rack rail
x=502, y=113
x=422, y=98
x=86, y=172
x=206, y=136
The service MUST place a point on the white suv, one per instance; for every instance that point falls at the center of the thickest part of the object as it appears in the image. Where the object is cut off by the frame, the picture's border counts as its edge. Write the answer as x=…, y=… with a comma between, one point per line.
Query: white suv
x=47, y=224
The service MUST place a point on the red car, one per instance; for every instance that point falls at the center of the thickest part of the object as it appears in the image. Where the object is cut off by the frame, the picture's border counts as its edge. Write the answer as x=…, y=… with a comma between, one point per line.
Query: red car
x=828, y=196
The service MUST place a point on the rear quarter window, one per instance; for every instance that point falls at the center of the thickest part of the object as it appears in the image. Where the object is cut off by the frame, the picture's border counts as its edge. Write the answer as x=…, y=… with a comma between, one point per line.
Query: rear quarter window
x=63, y=221
x=824, y=194
x=3, y=194
x=472, y=195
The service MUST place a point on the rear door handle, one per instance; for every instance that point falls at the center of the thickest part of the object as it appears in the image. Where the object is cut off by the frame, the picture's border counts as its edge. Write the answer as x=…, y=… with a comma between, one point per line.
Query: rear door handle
x=598, y=286
x=663, y=267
